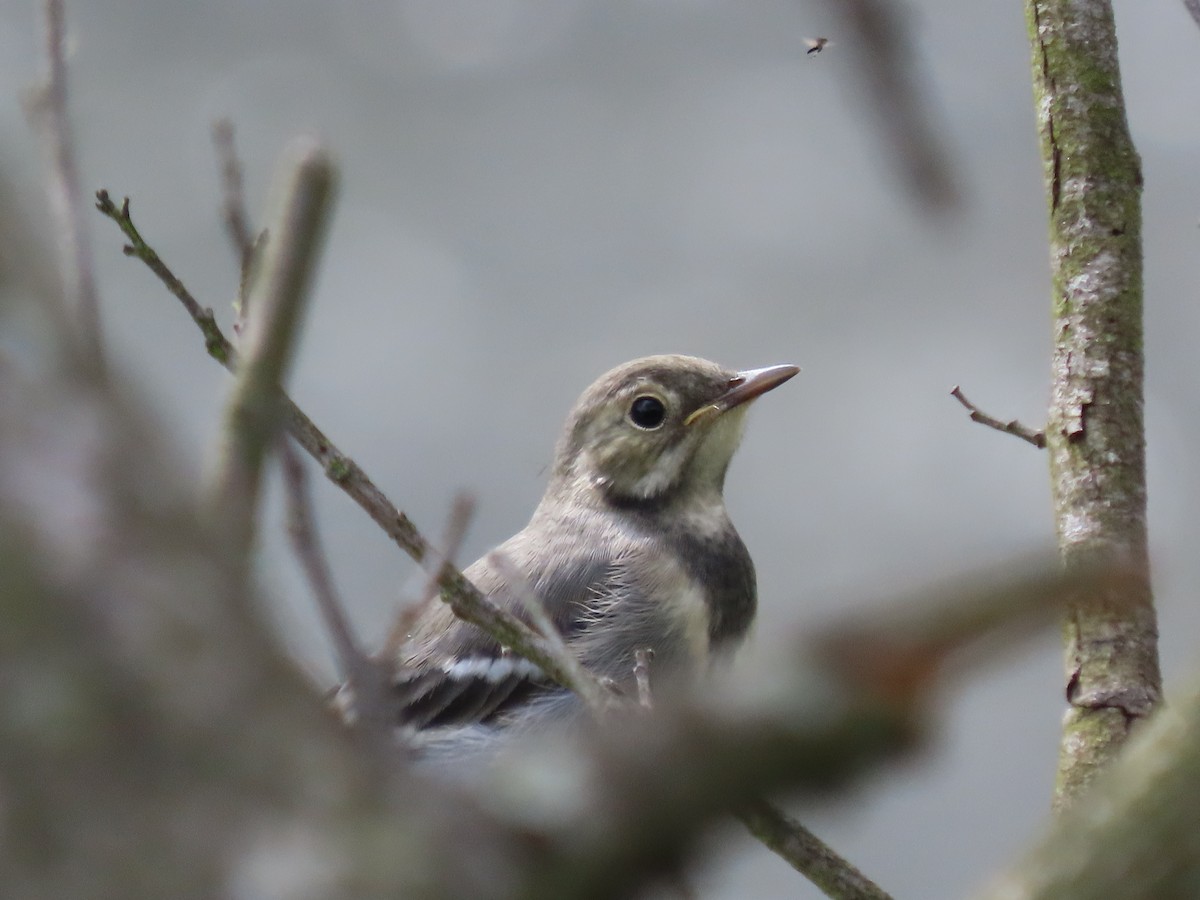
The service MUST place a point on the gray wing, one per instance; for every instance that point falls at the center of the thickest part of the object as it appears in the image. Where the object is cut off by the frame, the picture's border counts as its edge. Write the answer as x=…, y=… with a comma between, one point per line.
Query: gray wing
x=452, y=674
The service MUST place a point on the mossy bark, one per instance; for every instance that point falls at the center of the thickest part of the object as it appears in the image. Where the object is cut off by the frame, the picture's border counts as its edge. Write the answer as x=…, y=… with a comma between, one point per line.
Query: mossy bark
x=1095, y=431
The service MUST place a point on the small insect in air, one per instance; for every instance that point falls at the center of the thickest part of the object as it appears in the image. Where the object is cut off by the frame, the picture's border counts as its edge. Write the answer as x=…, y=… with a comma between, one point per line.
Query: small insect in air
x=815, y=45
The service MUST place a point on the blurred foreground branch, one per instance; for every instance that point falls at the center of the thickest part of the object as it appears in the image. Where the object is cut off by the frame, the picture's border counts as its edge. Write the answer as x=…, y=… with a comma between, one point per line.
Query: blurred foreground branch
x=1133, y=834
x=46, y=108
x=879, y=33
x=280, y=295
x=808, y=854
x=1193, y=7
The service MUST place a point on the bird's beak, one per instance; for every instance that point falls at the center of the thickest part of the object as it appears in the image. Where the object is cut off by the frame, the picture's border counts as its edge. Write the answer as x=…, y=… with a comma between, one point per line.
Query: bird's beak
x=743, y=387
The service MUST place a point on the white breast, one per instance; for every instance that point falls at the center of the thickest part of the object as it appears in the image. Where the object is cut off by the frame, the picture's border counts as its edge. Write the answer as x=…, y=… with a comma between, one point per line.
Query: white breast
x=690, y=611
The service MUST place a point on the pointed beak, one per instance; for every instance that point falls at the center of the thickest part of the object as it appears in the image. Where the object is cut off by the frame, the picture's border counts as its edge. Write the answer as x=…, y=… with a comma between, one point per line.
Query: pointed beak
x=743, y=387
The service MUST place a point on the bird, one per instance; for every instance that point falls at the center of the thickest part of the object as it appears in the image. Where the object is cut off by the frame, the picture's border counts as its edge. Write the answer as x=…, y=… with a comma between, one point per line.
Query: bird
x=816, y=45
x=630, y=549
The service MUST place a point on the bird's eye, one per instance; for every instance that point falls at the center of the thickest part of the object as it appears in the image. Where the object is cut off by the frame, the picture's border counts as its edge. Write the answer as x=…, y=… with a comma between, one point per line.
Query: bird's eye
x=647, y=413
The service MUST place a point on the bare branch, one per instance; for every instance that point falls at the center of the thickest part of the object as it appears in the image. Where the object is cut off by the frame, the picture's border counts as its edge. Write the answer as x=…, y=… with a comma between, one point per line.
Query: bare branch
x=217, y=345
x=803, y=850
x=1013, y=427
x=252, y=414
x=808, y=854
x=895, y=654
x=338, y=467
x=740, y=732
x=47, y=110
x=461, y=511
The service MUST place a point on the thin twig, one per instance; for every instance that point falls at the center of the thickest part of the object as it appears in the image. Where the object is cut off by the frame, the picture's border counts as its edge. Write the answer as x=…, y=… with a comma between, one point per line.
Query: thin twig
x=461, y=511
x=47, y=110
x=1015, y=428
x=641, y=674
x=233, y=194
x=837, y=877
x=367, y=679
x=237, y=223
x=217, y=345
x=338, y=467
x=303, y=532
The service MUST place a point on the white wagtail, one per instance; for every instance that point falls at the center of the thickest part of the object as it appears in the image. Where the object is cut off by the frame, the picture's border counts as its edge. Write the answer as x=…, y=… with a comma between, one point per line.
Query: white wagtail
x=630, y=549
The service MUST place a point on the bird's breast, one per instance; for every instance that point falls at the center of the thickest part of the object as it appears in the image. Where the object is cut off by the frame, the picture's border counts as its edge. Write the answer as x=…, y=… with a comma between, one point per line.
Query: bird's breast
x=718, y=564
x=690, y=616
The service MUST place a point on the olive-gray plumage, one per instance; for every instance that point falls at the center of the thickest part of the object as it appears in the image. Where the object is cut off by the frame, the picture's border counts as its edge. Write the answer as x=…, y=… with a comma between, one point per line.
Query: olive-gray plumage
x=630, y=548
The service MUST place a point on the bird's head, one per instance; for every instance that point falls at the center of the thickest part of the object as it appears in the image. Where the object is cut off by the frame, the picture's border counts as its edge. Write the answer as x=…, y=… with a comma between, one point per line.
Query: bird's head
x=658, y=428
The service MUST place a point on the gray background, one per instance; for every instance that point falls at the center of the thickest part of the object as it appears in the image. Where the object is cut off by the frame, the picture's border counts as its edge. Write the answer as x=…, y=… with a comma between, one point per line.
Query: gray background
x=535, y=191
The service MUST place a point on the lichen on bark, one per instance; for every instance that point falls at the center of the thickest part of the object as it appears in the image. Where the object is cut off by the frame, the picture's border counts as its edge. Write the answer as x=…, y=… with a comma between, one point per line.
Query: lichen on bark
x=1095, y=431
